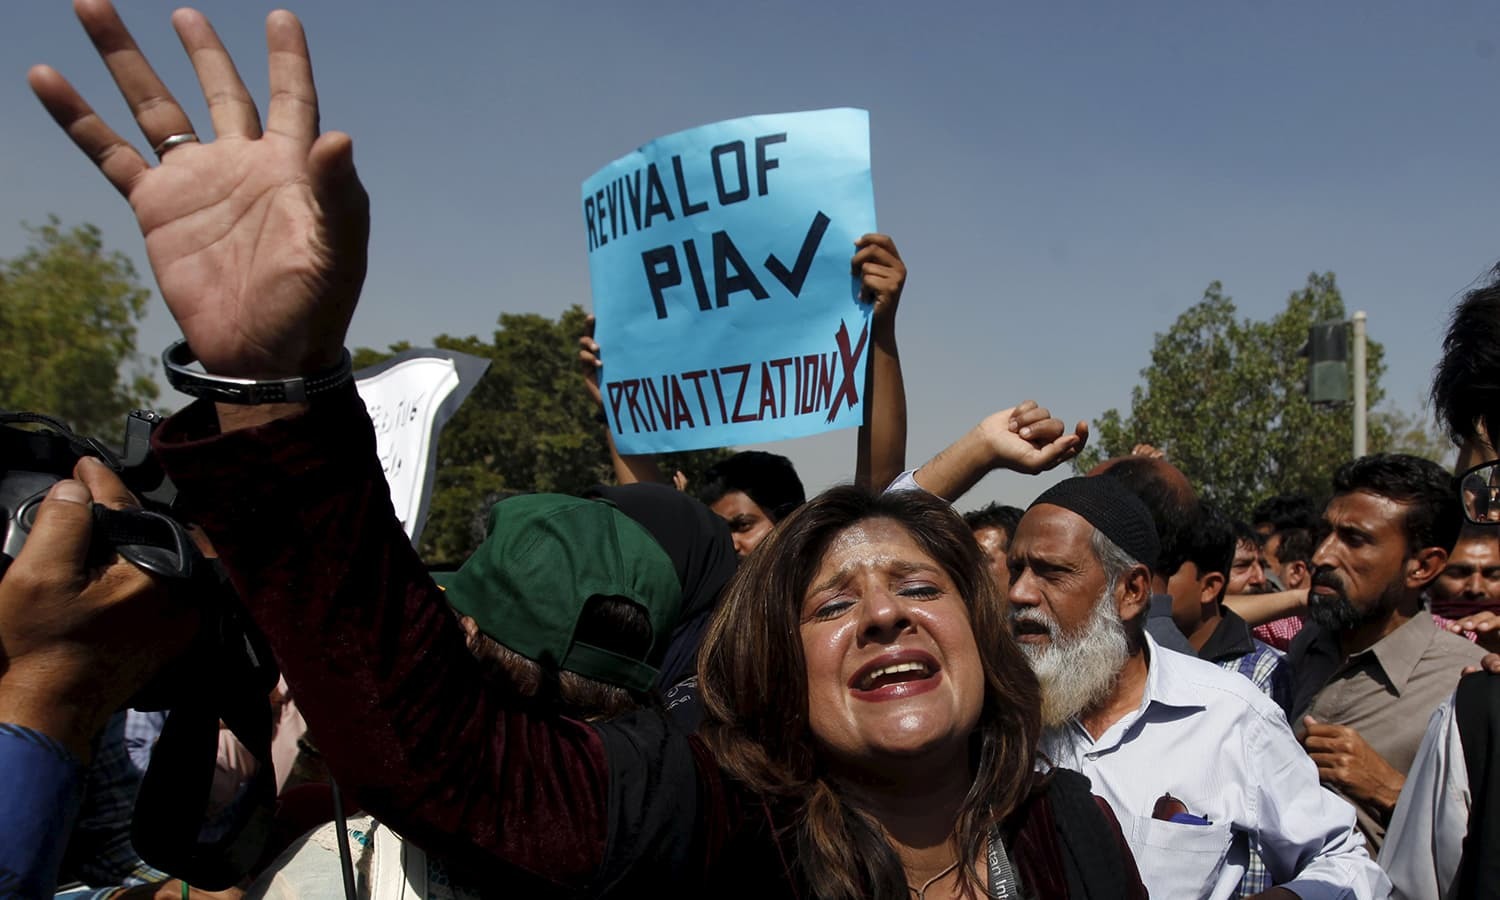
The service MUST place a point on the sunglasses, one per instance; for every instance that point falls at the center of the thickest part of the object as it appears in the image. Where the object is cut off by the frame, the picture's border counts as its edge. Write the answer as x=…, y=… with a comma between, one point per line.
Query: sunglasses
x=1479, y=492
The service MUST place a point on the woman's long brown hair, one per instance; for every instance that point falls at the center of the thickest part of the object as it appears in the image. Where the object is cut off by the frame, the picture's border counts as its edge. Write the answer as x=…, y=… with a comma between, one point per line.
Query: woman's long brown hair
x=753, y=685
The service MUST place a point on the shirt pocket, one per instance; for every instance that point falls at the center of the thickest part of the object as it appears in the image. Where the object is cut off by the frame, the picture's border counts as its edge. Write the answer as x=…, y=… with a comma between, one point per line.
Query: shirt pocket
x=1178, y=860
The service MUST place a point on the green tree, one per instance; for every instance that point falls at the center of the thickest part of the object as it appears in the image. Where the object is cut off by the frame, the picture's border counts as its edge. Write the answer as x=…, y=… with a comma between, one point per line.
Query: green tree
x=68, y=314
x=1225, y=398
x=528, y=426
x=1417, y=434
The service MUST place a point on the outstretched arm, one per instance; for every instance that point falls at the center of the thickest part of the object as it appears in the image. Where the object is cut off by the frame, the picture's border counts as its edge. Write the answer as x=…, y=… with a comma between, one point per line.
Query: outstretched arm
x=1025, y=438
x=258, y=238
x=629, y=469
x=881, y=453
x=258, y=241
x=1258, y=609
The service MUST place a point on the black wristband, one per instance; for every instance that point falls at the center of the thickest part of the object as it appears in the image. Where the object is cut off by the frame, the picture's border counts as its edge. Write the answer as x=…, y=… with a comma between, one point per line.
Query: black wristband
x=249, y=391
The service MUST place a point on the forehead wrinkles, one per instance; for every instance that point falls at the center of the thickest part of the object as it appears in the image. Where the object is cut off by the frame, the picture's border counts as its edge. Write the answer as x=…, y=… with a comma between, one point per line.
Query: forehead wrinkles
x=1057, y=543
x=1370, y=513
x=878, y=545
x=1476, y=551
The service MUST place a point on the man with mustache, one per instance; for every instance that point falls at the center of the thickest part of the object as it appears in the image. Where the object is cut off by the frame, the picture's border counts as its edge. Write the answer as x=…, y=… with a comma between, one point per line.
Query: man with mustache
x=1470, y=585
x=1198, y=765
x=1371, y=666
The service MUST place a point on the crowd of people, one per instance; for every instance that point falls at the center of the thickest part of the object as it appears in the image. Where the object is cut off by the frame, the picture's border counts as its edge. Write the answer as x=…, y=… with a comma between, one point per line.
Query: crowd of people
x=723, y=688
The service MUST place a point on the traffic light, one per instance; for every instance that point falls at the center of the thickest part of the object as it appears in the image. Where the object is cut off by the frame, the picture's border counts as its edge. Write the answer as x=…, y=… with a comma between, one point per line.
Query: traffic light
x=1327, y=353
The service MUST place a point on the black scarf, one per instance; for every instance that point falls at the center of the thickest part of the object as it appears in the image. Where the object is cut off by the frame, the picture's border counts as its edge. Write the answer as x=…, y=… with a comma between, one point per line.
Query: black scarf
x=700, y=547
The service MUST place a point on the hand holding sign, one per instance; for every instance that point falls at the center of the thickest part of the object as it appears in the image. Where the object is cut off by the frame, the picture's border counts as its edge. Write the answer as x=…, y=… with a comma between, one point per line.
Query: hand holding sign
x=881, y=274
x=588, y=361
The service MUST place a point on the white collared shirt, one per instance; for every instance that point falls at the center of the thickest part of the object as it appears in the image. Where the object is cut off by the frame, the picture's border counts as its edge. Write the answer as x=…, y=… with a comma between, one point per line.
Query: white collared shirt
x=1212, y=740
x=1425, y=840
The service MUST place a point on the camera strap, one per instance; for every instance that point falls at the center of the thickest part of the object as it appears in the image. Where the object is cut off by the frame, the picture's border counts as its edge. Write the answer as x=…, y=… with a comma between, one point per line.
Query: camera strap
x=1002, y=876
x=150, y=540
x=167, y=824
x=54, y=449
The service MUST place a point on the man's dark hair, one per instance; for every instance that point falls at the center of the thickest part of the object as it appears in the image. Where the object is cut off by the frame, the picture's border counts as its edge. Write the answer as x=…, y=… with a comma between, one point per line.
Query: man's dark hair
x=1297, y=545
x=1173, y=509
x=1244, y=534
x=768, y=479
x=1211, y=543
x=1472, y=532
x=610, y=623
x=1433, y=514
x=1285, y=511
x=1466, y=382
x=995, y=515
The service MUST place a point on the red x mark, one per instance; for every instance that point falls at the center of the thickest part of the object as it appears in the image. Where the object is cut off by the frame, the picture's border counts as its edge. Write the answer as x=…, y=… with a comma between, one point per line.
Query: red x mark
x=848, y=359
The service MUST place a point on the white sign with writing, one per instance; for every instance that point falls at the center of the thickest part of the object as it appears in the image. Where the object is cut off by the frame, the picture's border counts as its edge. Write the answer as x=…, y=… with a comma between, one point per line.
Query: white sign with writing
x=409, y=398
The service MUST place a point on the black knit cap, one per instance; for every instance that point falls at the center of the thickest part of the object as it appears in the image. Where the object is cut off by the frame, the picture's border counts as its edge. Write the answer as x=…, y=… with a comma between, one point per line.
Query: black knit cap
x=1108, y=506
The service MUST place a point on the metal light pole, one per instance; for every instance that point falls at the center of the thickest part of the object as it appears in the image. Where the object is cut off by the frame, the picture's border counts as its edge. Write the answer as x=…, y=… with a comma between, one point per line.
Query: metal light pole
x=1360, y=412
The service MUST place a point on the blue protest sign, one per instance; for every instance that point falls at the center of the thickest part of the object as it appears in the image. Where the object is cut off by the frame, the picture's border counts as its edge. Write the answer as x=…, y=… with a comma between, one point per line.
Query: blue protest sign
x=719, y=258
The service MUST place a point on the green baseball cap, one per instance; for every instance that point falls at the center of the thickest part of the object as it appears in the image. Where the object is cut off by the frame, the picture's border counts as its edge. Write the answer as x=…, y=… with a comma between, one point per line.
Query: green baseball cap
x=546, y=557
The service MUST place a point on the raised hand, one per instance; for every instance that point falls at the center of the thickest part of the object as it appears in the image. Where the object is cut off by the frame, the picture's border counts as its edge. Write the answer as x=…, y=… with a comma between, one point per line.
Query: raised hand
x=628, y=469
x=880, y=449
x=588, y=361
x=881, y=274
x=1027, y=438
x=257, y=238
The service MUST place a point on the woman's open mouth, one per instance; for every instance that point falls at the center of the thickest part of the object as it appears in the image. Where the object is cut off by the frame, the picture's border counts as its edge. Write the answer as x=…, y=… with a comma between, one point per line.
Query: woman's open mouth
x=896, y=675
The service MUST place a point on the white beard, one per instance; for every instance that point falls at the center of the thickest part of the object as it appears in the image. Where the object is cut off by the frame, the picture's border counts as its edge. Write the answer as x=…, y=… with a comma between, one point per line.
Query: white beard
x=1076, y=671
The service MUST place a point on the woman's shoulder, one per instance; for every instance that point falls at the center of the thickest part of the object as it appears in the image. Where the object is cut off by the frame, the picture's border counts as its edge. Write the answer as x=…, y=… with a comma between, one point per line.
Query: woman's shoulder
x=1069, y=843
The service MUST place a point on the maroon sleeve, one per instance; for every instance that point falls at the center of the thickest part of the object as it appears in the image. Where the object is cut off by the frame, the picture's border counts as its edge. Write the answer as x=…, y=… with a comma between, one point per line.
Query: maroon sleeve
x=300, y=514
x=1057, y=839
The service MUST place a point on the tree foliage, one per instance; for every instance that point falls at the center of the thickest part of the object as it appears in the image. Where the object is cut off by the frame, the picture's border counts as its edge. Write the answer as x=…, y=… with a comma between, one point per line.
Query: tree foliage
x=1417, y=434
x=1225, y=398
x=68, y=314
x=529, y=425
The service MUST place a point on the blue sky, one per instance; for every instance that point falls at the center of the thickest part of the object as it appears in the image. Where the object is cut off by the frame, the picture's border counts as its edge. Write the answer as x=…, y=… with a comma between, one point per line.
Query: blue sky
x=1062, y=179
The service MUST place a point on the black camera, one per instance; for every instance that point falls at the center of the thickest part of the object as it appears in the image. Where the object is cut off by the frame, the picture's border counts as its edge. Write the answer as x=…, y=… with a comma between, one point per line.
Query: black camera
x=225, y=676
x=37, y=451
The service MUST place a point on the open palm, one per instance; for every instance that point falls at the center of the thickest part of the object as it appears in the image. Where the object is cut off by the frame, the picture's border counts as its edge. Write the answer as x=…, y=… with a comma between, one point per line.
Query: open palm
x=257, y=239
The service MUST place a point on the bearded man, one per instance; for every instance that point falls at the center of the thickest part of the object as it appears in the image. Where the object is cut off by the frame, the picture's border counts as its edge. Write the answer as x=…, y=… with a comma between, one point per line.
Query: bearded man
x=1371, y=666
x=1198, y=765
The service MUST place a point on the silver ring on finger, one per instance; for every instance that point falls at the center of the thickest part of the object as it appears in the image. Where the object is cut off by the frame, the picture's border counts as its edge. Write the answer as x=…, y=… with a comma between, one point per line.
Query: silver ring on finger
x=174, y=140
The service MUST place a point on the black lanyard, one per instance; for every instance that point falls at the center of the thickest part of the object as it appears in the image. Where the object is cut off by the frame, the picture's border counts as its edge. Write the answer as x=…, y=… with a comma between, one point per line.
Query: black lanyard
x=1002, y=879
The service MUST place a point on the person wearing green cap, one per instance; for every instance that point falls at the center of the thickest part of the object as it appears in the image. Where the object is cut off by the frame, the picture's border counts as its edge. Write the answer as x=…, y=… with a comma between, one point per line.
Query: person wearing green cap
x=568, y=603
x=576, y=594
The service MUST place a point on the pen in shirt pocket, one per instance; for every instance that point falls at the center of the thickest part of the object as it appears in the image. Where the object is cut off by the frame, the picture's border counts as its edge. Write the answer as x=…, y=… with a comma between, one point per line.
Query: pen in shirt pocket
x=1170, y=809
